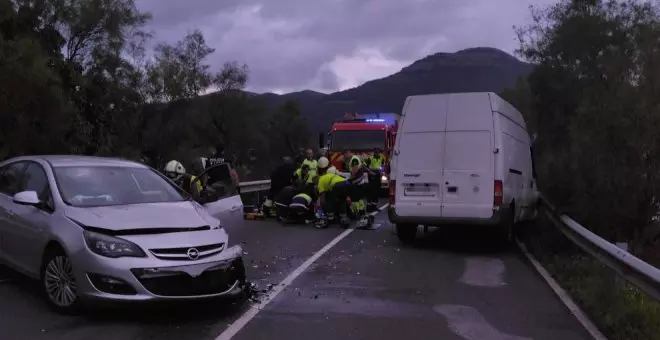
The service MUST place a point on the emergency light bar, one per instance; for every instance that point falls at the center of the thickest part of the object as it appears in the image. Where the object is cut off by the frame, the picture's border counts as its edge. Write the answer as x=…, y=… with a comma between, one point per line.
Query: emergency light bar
x=375, y=120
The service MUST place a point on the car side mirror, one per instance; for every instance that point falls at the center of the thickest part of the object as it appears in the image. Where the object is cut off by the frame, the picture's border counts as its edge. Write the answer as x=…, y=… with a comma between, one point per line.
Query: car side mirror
x=27, y=198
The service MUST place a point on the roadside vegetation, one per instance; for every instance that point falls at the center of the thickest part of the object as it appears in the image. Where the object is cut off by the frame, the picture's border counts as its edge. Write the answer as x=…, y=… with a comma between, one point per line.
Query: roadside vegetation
x=593, y=102
x=80, y=76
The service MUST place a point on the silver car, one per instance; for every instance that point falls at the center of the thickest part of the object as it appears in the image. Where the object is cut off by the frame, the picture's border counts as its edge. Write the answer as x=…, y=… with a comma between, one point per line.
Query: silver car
x=93, y=228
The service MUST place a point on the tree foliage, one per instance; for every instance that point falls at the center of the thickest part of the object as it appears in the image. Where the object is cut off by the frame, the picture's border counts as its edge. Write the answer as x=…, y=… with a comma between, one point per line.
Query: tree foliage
x=593, y=102
x=76, y=77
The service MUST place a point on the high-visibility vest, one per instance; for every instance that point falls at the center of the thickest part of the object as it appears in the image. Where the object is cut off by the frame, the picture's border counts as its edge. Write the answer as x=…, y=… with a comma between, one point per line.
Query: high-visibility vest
x=376, y=162
x=299, y=174
x=307, y=198
x=187, y=183
x=313, y=164
x=301, y=200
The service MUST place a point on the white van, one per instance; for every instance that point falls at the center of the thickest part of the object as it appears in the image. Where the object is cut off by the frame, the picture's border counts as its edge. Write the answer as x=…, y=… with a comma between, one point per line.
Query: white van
x=461, y=158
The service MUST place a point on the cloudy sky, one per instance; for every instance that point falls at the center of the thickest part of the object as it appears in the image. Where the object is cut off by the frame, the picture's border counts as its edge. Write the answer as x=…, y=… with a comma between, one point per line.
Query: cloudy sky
x=329, y=45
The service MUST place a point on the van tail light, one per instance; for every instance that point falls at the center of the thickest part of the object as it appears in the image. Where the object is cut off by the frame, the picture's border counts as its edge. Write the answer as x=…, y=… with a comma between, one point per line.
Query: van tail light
x=498, y=195
x=392, y=194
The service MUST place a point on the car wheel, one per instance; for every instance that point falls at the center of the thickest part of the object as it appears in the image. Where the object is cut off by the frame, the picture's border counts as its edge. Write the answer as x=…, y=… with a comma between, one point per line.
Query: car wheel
x=406, y=232
x=59, y=283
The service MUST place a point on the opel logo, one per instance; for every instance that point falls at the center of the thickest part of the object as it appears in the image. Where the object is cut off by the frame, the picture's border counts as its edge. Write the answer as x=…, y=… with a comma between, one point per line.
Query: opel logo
x=193, y=253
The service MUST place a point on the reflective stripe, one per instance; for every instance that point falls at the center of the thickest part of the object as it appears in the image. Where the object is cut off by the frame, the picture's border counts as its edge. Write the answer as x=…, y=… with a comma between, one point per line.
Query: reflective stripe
x=304, y=196
x=298, y=205
x=353, y=158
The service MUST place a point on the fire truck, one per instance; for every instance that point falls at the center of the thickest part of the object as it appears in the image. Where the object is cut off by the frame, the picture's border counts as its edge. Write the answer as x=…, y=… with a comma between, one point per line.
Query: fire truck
x=362, y=134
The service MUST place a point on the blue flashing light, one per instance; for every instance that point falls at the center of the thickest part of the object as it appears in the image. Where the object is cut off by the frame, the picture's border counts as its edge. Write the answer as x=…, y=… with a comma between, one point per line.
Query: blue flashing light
x=376, y=120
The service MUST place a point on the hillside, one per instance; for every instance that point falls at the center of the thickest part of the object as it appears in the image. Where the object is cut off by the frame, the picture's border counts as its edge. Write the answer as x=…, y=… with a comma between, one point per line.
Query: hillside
x=474, y=69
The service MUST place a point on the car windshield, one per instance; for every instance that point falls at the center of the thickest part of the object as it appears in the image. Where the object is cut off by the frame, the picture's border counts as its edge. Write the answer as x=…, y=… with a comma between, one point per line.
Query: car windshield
x=358, y=140
x=94, y=186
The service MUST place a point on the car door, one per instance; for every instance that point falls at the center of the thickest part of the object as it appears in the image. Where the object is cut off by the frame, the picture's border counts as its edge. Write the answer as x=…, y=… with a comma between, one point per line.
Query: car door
x=10, y=176
x=219, y=195
x=30, y=225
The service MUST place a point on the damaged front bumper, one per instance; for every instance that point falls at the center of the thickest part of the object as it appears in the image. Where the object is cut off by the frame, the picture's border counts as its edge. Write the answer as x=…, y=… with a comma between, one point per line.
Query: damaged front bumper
x=157, y=280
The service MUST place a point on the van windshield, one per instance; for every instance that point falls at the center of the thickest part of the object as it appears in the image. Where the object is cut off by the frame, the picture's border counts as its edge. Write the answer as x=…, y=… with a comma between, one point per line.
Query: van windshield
x=357, y=140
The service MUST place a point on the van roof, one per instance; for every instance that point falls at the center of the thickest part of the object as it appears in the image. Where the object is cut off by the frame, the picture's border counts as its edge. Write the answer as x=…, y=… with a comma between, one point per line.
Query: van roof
x=497, y=104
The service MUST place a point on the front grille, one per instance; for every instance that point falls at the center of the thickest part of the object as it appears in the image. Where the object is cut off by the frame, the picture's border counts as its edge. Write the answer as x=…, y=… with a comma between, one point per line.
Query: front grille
x=181, y=284
x=182, y=254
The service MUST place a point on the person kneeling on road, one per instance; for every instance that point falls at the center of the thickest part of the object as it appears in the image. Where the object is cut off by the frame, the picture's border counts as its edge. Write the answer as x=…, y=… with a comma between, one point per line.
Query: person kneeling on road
x=282, y=201
x=301, y=208
x=333, y=190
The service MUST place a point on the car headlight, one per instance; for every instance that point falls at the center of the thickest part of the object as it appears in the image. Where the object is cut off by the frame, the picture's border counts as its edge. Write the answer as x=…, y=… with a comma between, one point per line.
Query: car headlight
x=383, y=178
x=110, y=246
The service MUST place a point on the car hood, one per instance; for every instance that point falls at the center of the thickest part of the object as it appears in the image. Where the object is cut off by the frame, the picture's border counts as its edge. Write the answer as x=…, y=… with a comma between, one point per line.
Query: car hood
x=143, y=216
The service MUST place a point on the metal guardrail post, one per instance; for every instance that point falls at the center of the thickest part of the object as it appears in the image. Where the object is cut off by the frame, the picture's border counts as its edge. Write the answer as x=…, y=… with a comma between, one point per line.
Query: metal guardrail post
x=634, y=270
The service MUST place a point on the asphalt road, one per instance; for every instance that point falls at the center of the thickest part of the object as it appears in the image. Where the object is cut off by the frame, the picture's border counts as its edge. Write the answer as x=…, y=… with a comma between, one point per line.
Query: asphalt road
x=450, y=285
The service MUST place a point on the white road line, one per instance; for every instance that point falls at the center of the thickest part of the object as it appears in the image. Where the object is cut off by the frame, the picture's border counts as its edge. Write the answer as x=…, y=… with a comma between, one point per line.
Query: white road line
x=380, y=209
x=563, y=296
x=242, y=321
x=469, y=324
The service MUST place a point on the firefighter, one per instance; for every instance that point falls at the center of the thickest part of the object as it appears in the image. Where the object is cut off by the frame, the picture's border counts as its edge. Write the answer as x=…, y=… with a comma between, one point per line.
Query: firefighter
x=311, y=163
x=309, y=160
x=358, y=184
x=375, y=164
x=282, y=201
x=301, y=208
x=332, y=190
x=175, y=171
x=301, y=176
x=349, y=158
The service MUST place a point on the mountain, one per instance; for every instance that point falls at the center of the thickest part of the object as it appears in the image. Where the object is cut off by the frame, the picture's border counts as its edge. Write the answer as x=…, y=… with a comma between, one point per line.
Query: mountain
x=470, y=70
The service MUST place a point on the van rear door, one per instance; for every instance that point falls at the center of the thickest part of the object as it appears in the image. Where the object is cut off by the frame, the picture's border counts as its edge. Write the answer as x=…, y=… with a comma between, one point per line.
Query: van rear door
x=419, y=150
x=468, y=157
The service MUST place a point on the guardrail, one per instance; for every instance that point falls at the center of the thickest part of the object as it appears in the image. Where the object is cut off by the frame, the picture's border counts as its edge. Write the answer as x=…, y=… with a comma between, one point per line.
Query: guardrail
x=639, y=273
x=254, y=186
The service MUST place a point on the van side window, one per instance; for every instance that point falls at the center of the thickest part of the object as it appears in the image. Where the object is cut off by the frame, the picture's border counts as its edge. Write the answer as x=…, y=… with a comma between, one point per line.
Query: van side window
x=531, y=151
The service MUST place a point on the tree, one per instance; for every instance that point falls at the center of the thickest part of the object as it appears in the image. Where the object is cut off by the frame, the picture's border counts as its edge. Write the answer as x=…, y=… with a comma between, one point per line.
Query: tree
x=591, y=100
x=288, y=130
x=76, y=79
x=179, y=72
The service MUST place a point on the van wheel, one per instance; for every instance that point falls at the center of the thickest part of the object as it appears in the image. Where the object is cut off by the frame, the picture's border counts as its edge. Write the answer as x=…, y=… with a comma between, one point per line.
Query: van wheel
x=508, y=228
x=406, y=232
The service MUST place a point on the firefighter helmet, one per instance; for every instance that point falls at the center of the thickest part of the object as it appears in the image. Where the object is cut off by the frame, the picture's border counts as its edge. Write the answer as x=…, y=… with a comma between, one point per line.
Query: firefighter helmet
x=323, y=162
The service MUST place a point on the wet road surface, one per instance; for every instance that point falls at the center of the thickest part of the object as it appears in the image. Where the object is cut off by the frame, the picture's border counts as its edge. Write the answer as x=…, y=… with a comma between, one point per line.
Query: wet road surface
x=449, y=285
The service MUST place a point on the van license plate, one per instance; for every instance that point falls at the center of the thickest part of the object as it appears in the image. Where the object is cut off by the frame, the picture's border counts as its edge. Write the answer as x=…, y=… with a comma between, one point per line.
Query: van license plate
x=418, y=191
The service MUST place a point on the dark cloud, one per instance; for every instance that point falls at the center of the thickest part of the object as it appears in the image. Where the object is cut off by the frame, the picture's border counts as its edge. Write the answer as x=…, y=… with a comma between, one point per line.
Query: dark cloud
x=331, y=44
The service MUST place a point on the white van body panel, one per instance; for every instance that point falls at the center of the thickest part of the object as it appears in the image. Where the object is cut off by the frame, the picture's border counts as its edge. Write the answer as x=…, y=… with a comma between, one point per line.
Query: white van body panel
x=450, y=150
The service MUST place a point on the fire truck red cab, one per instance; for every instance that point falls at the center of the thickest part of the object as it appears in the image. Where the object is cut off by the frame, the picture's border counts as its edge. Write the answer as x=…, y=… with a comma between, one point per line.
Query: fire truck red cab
x=362, y=134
